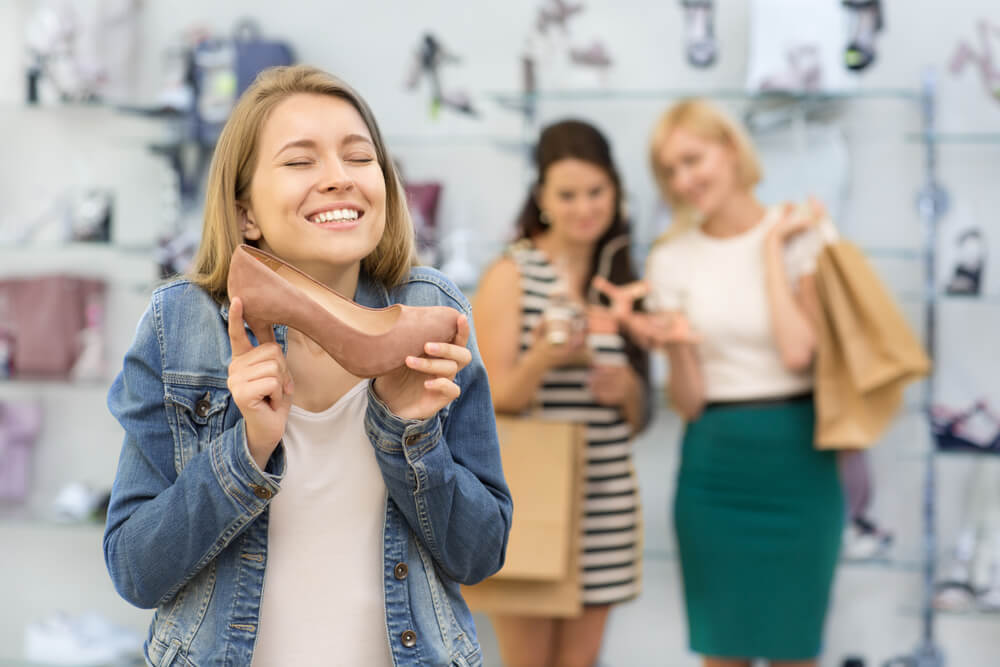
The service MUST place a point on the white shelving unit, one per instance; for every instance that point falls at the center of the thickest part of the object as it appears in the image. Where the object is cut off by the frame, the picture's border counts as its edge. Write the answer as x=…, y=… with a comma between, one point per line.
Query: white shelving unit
x=53, y=566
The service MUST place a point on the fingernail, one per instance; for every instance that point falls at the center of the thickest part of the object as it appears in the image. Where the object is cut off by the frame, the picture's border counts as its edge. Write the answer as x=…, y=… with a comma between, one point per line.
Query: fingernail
x=433, y=348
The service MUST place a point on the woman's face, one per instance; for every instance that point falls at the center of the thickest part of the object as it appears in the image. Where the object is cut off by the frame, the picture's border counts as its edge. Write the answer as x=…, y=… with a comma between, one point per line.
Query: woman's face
x=317, y=195
x=578, y=200
x=700, y=172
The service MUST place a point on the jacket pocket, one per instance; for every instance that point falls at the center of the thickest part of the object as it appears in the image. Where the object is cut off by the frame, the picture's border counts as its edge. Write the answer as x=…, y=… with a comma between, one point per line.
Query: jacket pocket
x=169, y=655
x=195, y=412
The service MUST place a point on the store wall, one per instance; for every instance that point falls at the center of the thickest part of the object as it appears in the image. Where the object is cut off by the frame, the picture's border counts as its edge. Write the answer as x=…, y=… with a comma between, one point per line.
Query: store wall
x=485, y=175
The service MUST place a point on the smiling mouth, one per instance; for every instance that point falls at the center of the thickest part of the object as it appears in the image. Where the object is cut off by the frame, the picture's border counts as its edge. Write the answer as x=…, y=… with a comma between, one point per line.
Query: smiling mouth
x=337, y=215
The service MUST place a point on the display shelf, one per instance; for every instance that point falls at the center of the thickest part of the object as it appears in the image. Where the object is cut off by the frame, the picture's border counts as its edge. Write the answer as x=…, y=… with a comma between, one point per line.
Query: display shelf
x=890, y=563
x=955, y=137
x=25, y=663
x=978, y=614
x=450, y=141
x=518, y=100
x=33, y=519
x=132, y=265
x=30, y=384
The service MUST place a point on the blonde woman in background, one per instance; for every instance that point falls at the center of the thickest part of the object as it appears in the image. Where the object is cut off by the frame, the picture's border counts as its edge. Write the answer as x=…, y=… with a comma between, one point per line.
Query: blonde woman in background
x=758, y=510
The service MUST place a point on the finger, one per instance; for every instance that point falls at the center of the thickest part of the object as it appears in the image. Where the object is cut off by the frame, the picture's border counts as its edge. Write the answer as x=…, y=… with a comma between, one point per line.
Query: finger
x=817, y=207
x=637, y=290
x=238, y=339
x=460, y=355
x=264, y=369
x=604, y=286
x=442, y=368
x=443, y=387
x=264, y=391
x=268, y=353
x=462, y=337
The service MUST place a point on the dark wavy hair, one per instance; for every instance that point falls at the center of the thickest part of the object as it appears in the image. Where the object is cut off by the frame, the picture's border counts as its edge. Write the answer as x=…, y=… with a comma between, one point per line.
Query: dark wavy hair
x=579, y=140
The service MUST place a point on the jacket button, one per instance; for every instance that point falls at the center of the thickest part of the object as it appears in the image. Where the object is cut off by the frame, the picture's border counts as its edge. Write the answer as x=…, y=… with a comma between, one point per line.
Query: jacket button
x=401, y=571
x=202, y=407
x=262, y=492
x=408, y=638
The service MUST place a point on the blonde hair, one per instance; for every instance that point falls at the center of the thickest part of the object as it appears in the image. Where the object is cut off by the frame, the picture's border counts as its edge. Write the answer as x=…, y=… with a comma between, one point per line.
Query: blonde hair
x=712, y=124
x=235, y=160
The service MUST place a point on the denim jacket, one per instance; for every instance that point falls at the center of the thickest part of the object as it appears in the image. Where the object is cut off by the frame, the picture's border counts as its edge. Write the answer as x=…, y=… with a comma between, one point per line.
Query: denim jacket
x=187, y=523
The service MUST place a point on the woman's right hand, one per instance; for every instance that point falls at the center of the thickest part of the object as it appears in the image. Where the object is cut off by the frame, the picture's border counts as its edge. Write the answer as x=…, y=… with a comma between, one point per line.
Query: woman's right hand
x=260, y=384
x=573, y=352
x=661, y=329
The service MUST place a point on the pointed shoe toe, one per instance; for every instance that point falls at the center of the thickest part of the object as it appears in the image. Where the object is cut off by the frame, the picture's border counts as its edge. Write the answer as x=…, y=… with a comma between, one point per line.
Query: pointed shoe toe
x=366, y=342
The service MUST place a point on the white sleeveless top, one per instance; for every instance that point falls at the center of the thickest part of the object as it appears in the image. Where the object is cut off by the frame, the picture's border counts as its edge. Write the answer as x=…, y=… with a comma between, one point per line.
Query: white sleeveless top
x=324, y=601
x=720, y=284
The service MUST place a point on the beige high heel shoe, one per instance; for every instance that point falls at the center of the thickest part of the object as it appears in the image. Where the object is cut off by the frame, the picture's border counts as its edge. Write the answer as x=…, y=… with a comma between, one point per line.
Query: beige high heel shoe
x=366, y=342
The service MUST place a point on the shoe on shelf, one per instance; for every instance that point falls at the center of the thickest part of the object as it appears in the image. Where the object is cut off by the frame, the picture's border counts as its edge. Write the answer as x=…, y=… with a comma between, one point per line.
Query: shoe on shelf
x=700, y=44
x=865, y=541
x=956, y=591
x=76, y=501
x=866, y=21
x=366, y=342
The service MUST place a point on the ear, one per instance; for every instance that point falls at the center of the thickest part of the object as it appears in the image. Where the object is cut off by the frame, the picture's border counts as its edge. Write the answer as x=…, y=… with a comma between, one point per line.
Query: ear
x=536, y=194
x=248, y=224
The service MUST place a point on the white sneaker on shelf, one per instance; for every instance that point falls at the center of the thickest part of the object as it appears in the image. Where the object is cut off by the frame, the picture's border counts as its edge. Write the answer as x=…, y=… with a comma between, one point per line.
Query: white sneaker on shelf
x=87, y=639
x=75, y=502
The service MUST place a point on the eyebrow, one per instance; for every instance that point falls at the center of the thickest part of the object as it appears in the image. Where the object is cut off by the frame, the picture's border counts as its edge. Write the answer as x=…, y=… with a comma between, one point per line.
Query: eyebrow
x=309, y=143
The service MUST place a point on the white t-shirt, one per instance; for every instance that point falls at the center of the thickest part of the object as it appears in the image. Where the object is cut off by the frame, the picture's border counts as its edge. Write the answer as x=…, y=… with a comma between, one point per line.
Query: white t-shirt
x=720, y=285
x=324, y=598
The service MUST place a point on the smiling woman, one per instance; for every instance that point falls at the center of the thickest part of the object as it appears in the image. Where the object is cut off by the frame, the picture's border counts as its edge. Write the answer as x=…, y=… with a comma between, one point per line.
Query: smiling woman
x=253, y=456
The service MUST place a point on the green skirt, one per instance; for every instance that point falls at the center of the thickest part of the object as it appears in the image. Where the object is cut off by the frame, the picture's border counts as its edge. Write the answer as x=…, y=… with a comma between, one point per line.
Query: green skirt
x=759, y=515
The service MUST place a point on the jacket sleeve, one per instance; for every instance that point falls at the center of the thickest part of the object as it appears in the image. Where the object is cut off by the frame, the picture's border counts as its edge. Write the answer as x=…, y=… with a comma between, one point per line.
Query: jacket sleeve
x=164, y=527
x=445, y=475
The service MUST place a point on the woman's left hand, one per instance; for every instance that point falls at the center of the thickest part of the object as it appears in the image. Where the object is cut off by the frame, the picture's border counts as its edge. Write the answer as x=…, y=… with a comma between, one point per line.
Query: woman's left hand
x=613, y=386
x=426, y=383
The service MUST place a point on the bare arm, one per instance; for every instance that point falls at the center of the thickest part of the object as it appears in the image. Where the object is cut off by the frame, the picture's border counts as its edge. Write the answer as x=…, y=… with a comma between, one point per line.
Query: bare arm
x=686, y=386
x=514, y=378
x=791, y=319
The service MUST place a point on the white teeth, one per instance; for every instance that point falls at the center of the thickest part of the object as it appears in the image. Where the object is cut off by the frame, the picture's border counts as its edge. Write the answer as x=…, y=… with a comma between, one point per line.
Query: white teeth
x=338, y=214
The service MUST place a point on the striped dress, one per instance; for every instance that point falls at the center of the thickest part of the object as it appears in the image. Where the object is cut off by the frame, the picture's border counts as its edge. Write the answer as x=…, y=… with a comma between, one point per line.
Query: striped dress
x=611, y=543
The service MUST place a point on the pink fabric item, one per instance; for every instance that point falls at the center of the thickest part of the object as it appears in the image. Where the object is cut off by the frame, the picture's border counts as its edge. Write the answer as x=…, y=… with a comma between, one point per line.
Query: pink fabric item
x=20, y=424
x=48, y=314
x=423, y=200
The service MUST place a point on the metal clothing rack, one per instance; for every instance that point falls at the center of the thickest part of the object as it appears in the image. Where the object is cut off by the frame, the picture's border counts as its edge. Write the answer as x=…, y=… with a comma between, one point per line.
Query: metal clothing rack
x=932, y=203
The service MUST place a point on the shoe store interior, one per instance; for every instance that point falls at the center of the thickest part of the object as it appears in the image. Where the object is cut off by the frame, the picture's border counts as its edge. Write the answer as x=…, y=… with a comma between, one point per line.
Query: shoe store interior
x=593, y=467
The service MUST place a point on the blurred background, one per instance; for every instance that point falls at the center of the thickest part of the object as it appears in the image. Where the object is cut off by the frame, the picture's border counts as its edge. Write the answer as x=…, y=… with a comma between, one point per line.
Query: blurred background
x=108, y=113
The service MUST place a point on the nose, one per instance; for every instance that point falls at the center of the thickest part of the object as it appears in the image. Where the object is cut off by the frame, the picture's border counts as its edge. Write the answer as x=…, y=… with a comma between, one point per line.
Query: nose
x=682, y=181
x=334, y=178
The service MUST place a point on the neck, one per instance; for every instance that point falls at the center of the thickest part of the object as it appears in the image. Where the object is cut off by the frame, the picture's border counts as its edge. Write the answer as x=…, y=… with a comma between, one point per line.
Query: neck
x=341, y=279
x=574, y=258
x=737, y=214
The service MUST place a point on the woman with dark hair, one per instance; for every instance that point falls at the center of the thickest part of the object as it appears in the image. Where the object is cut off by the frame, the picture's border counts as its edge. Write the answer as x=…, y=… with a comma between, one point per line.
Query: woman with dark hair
x=571, y=230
